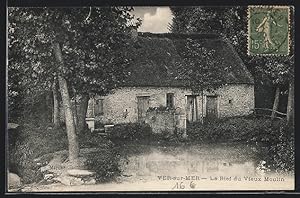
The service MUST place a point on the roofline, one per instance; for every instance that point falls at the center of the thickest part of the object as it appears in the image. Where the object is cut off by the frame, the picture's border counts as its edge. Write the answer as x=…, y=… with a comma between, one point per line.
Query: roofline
x=180, y=35
x=242, y=62
x=178, y=86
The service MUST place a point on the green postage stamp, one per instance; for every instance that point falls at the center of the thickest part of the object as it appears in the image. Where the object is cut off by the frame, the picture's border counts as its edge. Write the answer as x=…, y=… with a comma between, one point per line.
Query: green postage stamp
x=268, y=30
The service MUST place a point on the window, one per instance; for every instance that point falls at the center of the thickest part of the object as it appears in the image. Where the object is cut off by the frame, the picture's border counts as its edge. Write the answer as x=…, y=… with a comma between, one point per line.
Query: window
x=99, y=107
x=170, y=100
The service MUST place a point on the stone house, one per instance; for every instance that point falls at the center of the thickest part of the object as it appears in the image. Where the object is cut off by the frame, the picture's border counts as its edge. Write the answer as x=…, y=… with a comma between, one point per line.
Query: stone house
x=155, y=81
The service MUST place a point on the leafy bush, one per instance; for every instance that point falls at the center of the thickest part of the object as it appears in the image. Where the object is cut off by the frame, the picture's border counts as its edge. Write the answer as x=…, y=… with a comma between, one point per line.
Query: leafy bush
x=167, y=138
x=104, y=163
x=87, y=139
x=98, y=124
x=30, y=143
x=273, y=139
x=130, y=131
x=233, y=129
x=161, y=108
x=278, y=149
x=207, y=132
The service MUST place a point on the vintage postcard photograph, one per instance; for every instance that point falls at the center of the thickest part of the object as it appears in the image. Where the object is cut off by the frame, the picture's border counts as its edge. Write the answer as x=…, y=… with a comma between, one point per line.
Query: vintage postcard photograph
x=150, y=98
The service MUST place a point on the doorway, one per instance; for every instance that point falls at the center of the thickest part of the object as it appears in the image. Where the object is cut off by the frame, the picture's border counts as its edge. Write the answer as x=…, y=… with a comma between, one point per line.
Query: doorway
x=192, y=108
x=142, y=106
x=211, y=107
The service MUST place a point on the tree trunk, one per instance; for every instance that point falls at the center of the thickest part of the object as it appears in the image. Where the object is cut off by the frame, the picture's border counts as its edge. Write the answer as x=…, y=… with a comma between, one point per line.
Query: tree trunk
x=75, y=110
x=276, y=102
x=69, y=118
x=48, y=107
x=55, y=105
x=290, y=105
x=202, y=113
x=83, y=105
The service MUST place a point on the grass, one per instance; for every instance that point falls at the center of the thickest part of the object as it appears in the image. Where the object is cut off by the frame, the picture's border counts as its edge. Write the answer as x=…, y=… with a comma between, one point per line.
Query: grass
x=32, y=141
x=274, y=142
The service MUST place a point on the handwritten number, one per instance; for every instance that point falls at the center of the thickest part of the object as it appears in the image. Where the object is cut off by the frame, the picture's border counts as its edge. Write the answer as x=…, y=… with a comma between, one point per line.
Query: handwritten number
x=179, y=186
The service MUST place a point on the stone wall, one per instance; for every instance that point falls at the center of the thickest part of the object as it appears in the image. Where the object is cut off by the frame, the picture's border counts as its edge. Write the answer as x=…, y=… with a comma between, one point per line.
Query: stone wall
x=161, y=122
x=115, y=104
x=242, y=100
x=121, y=106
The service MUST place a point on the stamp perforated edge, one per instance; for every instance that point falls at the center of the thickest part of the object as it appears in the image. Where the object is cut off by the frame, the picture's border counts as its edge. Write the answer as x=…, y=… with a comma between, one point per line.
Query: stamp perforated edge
x=289, y=28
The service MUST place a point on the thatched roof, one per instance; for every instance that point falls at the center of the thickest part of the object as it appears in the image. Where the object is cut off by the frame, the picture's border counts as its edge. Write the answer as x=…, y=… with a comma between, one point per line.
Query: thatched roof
x=158, y=56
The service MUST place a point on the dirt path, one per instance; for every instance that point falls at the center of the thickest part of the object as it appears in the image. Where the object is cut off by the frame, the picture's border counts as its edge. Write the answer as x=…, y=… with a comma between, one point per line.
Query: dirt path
x=186, y=167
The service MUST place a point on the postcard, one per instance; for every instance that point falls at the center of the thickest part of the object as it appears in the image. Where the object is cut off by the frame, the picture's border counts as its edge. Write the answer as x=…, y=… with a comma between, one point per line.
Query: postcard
x=150, y=98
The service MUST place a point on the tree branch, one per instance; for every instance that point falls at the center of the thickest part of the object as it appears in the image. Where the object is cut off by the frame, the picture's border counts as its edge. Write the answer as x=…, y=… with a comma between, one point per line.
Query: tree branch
x=88, y=16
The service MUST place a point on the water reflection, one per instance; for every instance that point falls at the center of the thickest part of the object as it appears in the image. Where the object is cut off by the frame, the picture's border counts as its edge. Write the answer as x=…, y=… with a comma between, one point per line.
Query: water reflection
x=204, y=161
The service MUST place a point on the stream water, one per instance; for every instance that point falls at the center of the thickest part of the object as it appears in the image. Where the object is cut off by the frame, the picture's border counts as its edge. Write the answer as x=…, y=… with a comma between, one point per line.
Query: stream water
x=200, y=167
x=188, y=168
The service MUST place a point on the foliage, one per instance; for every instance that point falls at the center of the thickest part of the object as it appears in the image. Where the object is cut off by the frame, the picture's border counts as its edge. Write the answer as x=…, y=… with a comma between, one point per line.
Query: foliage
x=125, y=134
x=231, y=24
x=49, y=43
x=279, y=150
x=14, y=93
x=130, y=131
x=228, y=22
x=104, y=163
x=99, y=124
x=32, y=31
x=166, y=138
x=273, y=139
x=31, y=142
x=94, y=60
x=202, y=73
x=160, y=108
x=87, y=139
x=238, y=128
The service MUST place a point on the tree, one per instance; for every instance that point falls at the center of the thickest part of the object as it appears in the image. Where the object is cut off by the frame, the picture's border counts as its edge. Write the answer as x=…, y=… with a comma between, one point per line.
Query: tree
x=231, y=24
x=53, y=43
x=98, y=57
x=56, y=108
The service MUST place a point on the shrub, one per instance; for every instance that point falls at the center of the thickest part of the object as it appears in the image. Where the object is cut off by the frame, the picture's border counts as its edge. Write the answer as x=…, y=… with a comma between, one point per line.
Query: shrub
x=206, y=132
x=100, y=124
x=165, y=138
x=30, y=143
x=278, y=149
x=273, y=139
x=130, y=131
x=161, y=108
x=233, y=129
x=90, y=140
x=105, y=163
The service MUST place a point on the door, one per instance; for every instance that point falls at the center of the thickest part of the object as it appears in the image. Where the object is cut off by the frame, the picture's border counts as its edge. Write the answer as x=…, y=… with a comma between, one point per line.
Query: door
x=192, y=108
x=211, y=107
x=143, y=105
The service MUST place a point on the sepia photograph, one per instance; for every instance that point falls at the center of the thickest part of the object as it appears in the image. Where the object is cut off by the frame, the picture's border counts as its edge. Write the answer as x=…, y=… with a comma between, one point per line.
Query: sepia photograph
x=150, y=99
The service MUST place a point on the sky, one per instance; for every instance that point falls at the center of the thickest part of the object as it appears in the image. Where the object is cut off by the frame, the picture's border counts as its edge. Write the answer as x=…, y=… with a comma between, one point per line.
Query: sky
x=154, y=19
